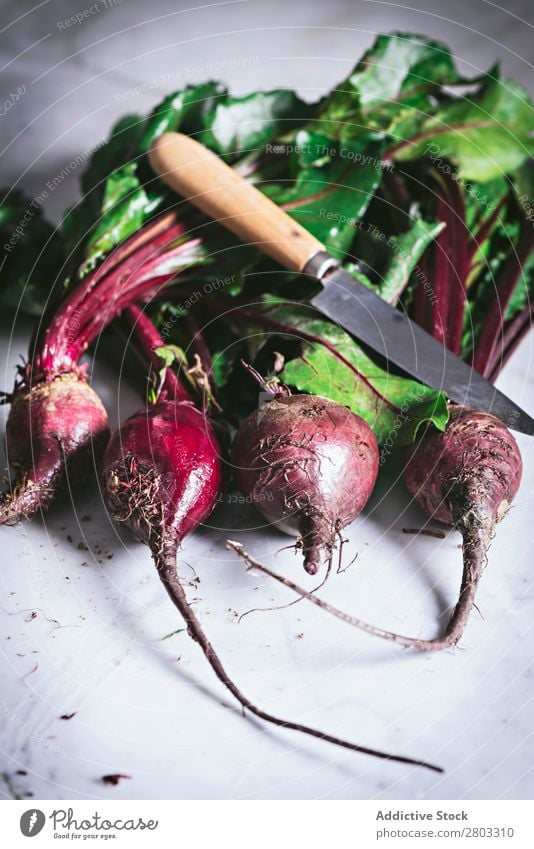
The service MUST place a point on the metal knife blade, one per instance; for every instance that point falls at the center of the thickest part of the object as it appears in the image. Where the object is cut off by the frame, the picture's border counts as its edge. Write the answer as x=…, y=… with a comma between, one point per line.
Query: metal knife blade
x=389, y=332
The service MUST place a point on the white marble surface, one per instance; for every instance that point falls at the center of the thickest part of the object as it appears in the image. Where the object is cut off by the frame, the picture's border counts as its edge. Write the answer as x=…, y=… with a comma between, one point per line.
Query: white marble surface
x=151, y=708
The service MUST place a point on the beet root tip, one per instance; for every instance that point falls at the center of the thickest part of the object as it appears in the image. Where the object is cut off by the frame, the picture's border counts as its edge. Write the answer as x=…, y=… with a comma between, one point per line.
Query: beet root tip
x=165, y=561
x=24, y=499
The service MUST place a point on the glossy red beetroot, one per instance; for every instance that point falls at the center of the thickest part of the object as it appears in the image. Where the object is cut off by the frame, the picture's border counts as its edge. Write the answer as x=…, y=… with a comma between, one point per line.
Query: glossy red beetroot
x=162, y=473
x=309, y=465
x=55, y=428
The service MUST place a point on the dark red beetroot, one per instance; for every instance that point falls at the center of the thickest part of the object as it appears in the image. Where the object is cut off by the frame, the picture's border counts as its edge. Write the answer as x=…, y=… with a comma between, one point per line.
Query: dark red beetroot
x=162, y=467
x=56, y=422
x=162, y=475
x=309, y=465
x=466, y=477
x=54, y=429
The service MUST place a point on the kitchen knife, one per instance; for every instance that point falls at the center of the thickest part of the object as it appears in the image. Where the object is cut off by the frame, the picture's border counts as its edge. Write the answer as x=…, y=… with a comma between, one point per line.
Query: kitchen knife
x=210, y=184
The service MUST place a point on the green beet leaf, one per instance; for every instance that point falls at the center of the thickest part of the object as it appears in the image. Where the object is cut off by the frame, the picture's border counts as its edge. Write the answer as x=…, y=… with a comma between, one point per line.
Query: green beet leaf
x=485, y=134
x=396, y=77
x=124, y=209
x=406, y=251
x=241, y=125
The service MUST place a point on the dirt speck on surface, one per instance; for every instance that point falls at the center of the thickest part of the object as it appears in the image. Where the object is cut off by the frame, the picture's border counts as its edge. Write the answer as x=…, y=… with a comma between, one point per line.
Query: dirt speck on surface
x=114, y=778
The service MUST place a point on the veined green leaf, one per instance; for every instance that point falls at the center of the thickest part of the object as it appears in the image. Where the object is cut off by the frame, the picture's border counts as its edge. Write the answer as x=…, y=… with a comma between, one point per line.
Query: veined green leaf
x=123, y=211
x=333, y=187
x=486, y=134
x=397, y=76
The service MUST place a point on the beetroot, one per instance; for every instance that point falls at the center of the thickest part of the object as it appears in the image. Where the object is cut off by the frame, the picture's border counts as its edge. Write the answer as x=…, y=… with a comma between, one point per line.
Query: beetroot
x=466, y=477
x=309, y=465
x=161, y=479
x=162, y=475
x=56, y=428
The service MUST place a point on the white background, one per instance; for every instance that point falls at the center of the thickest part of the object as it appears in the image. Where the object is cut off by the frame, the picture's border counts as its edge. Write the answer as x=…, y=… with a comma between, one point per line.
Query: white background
x=151, y=708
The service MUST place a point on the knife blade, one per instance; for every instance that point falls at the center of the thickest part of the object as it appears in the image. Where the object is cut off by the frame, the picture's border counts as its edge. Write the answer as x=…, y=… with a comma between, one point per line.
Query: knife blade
x=389, y=332
x=209, y=183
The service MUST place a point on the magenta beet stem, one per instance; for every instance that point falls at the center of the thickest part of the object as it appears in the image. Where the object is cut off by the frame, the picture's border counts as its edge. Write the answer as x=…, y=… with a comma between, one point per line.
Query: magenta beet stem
x=66, y=338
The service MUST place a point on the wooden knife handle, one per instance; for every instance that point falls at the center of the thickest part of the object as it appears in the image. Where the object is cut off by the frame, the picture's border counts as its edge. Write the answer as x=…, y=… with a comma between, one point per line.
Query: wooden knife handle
x=210, y=184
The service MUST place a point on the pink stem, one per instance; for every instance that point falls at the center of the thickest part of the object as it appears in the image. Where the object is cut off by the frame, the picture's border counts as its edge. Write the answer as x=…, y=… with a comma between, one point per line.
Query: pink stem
x=65, y=338
x=514, y=333
x=123, y=289
x=441, y=310
x=420, y=309
x=146, y=235
x=105, y=312
x=198, y=343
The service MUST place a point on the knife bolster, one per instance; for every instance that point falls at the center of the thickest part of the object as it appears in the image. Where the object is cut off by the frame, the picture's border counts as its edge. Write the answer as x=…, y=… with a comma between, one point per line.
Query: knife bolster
x=320, y=264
